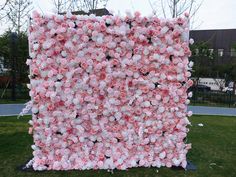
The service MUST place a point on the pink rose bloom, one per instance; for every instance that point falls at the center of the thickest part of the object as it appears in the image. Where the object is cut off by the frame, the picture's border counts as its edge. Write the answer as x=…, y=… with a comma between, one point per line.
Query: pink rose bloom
x=50, y=107
x=36, y=71
x=60, y=37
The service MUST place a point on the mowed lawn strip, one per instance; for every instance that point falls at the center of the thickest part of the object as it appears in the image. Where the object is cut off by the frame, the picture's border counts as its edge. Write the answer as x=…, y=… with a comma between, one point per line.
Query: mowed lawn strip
x=213, y=151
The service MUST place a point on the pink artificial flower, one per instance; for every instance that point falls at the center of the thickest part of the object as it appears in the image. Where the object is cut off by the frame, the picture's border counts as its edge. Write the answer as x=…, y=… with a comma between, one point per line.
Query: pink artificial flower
x=36, y=71
x=60, y=37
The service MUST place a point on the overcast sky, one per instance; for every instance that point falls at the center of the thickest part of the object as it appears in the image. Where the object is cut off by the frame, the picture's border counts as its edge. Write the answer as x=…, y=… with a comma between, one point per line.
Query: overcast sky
x=213, y=14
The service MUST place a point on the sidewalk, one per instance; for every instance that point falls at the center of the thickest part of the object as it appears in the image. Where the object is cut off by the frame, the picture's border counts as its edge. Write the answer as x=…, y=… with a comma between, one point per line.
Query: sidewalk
x=15, y=109
x=205, y=110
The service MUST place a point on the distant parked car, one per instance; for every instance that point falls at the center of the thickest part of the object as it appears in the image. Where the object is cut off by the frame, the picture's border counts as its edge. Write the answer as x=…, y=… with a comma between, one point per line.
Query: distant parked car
x=228, y=89
x=200, y=88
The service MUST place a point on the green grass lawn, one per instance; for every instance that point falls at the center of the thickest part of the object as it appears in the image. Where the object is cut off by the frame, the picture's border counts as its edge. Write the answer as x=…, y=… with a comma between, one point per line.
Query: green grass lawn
x=213, y=151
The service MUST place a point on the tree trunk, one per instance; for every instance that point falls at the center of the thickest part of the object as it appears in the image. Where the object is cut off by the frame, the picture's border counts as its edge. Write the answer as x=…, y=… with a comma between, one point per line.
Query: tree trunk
x=234, y=88
x=18, y=19
x=93, y=5
x=13, y=40
x=174, y=8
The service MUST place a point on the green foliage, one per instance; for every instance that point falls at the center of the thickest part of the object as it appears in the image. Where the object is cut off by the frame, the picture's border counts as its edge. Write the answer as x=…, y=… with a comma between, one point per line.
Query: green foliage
x=201, y=49
x=234, y=46
x=5, y=47
x=200, y=55
x=22, y=54
x=206, y=63
x=227, y=71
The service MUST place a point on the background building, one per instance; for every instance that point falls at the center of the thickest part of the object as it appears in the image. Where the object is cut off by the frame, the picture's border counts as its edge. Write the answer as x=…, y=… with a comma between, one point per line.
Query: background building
x=221, y=43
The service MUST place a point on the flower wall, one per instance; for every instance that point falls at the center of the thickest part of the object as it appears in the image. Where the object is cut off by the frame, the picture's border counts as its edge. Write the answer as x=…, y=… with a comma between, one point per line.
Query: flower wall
x=108, y=92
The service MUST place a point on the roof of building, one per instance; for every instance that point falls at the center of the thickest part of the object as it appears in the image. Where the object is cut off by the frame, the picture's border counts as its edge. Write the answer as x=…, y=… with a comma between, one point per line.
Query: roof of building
x=216, y=38
x=97, y=12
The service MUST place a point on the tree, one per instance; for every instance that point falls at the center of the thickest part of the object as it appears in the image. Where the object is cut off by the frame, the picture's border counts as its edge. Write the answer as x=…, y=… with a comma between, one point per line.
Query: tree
x=74, y=5
x=203, y=60
x=206, y=64
x=92, y=4
x=228, y=72
x=61, y=5
x=22, y=54
x=2, y=7
x=233, y=72
x=17, y=12
x=175, y=8
x=14, y=52
x=3, y=4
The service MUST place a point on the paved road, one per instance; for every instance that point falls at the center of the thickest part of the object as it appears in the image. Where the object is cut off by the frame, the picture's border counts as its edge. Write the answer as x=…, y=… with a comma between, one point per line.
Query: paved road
x=205, y=110
x=15, y=109
x=11, y=109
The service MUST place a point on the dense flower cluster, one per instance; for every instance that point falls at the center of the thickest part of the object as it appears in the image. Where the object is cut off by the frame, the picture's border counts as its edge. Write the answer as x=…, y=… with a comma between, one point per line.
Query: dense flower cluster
x=108, y=92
